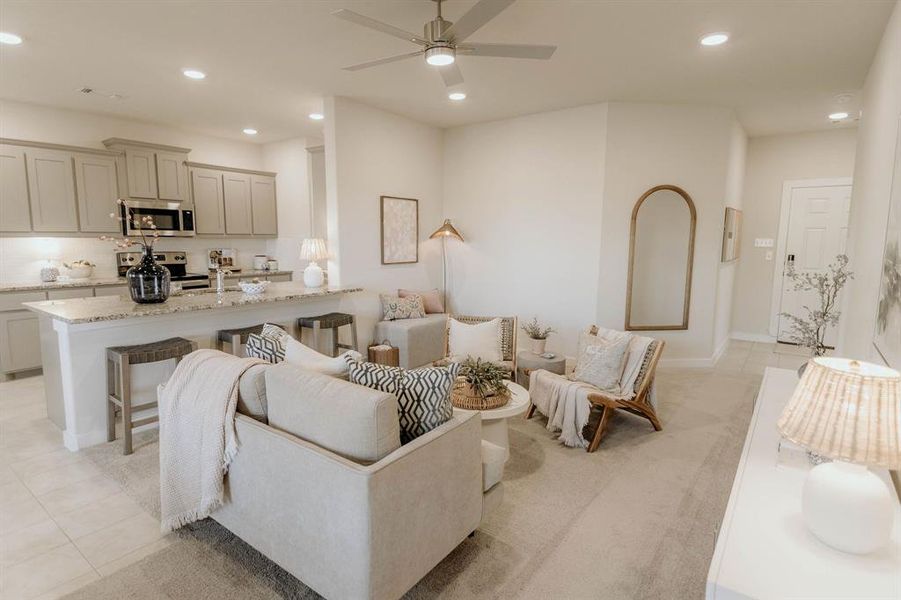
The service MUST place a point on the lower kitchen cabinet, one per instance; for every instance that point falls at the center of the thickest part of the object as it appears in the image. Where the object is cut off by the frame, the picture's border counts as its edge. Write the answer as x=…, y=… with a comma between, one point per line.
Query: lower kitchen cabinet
x=20, y=341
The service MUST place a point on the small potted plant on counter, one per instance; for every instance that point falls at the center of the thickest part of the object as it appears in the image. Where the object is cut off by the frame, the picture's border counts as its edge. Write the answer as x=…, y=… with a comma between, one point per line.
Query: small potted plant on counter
x=538, y=334
x=480, y=386
x=148, y=282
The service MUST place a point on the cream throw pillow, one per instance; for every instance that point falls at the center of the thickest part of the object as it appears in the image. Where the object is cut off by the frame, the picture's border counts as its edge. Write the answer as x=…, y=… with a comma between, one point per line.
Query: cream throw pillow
x=479, y=340
x=601, y=361
x=307, y=358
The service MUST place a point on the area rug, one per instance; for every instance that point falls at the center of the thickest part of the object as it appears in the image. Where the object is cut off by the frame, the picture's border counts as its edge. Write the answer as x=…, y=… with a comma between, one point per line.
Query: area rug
x=636, y=519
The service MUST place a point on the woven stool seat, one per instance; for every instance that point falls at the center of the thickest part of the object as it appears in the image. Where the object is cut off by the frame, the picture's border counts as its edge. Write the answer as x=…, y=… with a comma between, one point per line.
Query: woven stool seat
x=327, y=321
x=227, y=335
x=153, y=352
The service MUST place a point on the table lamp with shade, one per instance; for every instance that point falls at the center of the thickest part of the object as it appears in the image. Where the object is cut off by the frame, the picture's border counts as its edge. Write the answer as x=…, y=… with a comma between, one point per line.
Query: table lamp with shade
x=848, y=411
x=447, y=230
x=313, y=249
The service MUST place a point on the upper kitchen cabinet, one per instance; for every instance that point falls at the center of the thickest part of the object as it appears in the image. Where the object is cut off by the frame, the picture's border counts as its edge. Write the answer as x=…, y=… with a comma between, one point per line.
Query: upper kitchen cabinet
x=15, y=215
x=97, y=190
x=238, y=217
x=209, y=211
x=51, y=184
x=152, y=171
x=262, y=194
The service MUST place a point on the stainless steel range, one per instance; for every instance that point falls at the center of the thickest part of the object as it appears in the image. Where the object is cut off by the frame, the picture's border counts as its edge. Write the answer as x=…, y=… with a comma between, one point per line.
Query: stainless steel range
x=177, y=263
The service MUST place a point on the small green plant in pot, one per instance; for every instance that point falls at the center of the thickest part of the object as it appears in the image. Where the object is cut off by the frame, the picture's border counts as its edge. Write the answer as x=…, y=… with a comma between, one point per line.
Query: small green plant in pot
x=538, y=334
x=481, y=385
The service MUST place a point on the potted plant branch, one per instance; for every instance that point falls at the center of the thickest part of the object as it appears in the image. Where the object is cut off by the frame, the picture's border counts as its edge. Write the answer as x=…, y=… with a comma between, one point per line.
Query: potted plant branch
x=481, y=385
x=148, y=282
x=538, y=335
x=809, y=330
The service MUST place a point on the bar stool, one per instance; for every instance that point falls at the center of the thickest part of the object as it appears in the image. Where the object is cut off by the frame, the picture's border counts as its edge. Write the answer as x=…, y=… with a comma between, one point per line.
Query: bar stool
x=236, y=337
x=119, y=361
x=330, y=321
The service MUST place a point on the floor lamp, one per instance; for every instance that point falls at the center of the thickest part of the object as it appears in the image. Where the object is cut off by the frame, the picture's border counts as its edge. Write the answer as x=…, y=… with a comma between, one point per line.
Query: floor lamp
x=445, y=231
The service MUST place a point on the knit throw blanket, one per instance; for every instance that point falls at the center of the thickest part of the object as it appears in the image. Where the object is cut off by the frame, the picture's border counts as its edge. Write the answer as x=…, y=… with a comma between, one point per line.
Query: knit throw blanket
x=197, y=434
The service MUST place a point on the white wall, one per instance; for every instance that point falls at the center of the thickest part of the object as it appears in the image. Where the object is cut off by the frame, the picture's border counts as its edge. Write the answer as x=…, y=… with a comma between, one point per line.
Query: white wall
x=526, y=194
x=686, y=146
x=372, y=153
x=21, y=257
x=771, y=161
x=876, y=143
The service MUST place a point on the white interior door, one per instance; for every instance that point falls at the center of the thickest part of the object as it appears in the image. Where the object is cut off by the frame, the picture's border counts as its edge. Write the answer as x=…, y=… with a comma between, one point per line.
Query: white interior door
x=817, y=232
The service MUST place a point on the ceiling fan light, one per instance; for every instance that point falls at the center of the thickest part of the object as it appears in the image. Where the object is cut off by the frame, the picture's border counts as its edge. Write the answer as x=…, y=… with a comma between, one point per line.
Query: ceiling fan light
x=440, y=56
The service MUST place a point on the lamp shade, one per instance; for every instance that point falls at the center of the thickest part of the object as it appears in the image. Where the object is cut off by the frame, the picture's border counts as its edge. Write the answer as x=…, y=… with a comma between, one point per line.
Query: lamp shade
x=313, y=249
x=446, y=230
x=847, y=410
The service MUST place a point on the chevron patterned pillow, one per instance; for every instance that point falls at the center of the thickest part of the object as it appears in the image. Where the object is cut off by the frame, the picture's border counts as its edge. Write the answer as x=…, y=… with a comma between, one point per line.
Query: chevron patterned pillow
x=423, y=395
x=269, y=345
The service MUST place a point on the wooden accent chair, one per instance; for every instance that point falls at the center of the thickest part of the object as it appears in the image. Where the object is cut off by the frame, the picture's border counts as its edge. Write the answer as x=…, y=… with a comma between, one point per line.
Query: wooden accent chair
x=509, y=327
x=639, y=404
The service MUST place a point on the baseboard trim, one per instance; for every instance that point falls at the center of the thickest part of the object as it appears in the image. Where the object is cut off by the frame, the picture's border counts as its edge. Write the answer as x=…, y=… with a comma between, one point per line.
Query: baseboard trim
x=719, y=351
x=763, y=338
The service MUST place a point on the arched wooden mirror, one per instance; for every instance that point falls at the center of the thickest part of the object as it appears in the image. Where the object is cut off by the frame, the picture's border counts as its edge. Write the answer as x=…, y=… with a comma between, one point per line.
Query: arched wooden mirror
x=661, y=252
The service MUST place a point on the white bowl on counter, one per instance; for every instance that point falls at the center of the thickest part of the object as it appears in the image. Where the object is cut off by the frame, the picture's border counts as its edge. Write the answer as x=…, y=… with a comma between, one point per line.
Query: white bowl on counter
x=253, y=287
x=81, y=272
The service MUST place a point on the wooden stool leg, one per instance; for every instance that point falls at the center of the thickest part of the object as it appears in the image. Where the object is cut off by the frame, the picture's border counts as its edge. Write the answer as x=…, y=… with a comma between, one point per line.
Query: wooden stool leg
x=336, y=331
x=125, y=379
x=353, y=334
x=316, y=329
x=110, y=407
x=236, y=344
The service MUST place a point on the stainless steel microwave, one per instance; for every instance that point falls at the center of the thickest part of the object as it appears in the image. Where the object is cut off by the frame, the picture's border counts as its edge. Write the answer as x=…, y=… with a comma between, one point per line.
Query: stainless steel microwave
x=171, y=218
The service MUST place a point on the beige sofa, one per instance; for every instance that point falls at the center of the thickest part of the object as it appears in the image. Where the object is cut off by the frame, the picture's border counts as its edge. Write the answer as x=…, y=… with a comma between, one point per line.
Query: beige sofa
x=325, y=490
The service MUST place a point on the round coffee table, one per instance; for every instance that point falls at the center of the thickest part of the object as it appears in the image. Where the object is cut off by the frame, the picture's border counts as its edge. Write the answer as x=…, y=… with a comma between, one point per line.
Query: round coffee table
x=494, y=421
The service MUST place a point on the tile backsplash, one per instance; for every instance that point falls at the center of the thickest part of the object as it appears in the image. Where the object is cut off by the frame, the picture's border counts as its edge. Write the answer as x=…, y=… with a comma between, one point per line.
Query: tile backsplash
x=21, y=258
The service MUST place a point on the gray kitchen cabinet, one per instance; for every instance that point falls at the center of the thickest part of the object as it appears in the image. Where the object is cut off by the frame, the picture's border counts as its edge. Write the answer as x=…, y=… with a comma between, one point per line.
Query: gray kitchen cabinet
x=96, y=184
x=111, y=290
x=209, y=210
x=20, y=341
x=72, y=292
x=172, y=176
x=238, y=211
x=15, y=215
x=140, y=169
x=52, y=189
x=262, y=194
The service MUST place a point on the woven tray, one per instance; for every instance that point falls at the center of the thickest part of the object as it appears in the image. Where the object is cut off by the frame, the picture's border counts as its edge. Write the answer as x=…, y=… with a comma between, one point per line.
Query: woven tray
x=464, y=397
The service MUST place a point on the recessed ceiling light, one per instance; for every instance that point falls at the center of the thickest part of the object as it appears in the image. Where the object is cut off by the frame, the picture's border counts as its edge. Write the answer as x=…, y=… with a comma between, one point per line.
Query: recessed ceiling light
x=10, y=38
x=250, y=131
x=440, y=56
x=194, y=74
x=457, y=96
x=838, y=116
x=317, y=116
x=714, y=39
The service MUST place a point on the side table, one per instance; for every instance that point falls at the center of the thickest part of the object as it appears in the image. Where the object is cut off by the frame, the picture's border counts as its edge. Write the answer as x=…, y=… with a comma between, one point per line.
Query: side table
x=525, y=359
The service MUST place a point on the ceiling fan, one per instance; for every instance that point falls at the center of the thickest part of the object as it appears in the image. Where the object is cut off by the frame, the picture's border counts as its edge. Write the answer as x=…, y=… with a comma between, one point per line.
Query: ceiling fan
x=443, y=40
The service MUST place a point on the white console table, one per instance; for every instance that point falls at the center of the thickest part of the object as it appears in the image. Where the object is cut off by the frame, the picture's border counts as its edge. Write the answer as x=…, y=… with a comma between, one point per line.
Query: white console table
x=764, y=549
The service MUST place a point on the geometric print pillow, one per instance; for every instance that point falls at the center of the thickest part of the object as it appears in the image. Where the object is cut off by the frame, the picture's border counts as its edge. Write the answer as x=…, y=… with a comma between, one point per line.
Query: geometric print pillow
x=269, y=345
x=423, y=395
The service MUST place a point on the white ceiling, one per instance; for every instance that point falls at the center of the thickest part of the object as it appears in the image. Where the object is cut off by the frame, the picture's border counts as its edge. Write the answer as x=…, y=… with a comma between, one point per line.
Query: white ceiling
x=270, y=63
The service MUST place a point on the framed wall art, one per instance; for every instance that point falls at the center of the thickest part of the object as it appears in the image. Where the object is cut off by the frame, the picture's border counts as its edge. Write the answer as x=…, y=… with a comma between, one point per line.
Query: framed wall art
x=399, y=230
x=887, y=337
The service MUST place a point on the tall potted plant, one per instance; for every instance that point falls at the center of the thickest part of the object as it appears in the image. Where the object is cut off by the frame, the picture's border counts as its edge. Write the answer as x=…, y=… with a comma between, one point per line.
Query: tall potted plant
x=148, y=281
x=537, y=334
x=809, y=330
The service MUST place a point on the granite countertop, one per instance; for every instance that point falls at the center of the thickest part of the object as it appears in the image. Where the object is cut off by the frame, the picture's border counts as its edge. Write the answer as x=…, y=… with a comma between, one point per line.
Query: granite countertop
x=252, y=273
x=113, y=308
x=60, y=284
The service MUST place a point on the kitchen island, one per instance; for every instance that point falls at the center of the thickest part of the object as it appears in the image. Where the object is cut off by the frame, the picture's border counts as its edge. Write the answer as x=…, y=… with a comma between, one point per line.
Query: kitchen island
x=75, y=333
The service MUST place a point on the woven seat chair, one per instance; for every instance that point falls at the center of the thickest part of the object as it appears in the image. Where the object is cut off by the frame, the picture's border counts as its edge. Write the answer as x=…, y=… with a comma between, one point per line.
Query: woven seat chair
x=508, y=340
x=640, y=404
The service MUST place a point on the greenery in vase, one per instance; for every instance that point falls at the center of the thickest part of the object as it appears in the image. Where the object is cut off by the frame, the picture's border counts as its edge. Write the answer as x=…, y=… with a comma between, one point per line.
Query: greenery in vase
x=809, y=331
x=485, y=378
x=535, y=330
x=143, y=224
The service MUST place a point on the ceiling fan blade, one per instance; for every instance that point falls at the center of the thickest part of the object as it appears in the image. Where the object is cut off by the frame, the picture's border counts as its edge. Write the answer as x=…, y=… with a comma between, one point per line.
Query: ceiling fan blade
x=382, y=61
x=451, y=75
x=508, y=50
x=353, y=17
x=477, y=16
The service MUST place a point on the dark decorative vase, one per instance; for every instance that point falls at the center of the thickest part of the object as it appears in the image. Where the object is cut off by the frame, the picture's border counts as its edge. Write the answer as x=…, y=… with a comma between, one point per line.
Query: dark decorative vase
x=148, y=281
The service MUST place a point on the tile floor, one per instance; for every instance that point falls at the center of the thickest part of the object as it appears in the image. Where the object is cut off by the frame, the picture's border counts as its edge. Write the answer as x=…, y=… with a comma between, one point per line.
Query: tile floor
x=63, y=523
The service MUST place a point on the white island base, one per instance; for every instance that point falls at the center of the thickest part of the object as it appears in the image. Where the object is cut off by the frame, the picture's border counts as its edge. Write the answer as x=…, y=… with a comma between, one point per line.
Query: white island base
x=75, y=334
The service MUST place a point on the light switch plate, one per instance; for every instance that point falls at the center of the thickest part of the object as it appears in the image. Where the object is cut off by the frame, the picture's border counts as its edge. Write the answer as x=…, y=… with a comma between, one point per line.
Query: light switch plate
x=764, y=243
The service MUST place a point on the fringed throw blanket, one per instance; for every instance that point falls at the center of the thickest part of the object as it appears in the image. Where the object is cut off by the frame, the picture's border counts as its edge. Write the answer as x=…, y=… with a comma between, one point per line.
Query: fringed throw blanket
x=197, y=434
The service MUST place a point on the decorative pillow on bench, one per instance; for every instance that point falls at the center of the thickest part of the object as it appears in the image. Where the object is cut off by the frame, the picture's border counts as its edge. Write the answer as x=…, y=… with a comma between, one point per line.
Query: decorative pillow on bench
x=395, y=307
x=423, y=395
